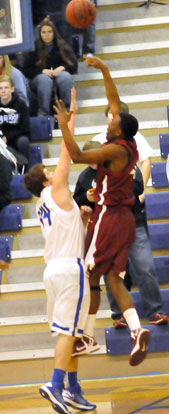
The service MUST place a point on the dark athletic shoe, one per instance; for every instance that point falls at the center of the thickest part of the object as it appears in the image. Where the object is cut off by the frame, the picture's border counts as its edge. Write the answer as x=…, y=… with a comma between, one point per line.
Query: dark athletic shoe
x=120, y=323
x=159, y=319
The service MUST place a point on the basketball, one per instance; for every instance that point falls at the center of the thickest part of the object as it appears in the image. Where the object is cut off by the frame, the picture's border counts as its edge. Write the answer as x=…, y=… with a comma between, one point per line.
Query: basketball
x=80, y=13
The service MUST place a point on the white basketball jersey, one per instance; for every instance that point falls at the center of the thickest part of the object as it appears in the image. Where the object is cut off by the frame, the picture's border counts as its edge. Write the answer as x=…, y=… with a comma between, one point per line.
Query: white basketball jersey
x=63, y=230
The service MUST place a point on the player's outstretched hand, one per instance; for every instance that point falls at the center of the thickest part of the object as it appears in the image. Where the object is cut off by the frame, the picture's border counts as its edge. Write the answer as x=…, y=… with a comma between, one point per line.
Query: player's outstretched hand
x=94, y=61
x=62, y=116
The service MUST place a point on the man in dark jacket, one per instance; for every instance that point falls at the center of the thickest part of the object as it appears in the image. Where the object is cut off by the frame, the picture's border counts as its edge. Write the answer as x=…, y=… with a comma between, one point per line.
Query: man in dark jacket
x=14, y=119
x=5, y=180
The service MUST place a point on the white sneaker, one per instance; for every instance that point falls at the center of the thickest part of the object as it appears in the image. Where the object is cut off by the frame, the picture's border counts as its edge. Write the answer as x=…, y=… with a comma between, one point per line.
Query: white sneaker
x=85, y=345
x=141, y=339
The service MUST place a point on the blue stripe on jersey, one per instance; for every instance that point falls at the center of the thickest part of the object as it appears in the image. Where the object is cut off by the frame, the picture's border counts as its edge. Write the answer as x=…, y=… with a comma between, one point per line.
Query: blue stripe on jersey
x=80, y=331
x=55, y=325
x=81, y=293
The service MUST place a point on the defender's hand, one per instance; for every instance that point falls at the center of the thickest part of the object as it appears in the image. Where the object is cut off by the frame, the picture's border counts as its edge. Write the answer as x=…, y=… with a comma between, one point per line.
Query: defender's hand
x=62, y=116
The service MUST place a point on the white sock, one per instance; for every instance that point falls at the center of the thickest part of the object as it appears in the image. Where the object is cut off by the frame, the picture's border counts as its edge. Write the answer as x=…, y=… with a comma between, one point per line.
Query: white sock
x=89, y=327
x=132, y=319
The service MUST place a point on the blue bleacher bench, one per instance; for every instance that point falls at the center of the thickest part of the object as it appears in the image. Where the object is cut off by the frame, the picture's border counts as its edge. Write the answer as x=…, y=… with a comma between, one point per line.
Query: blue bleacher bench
x=159, y=235
x=164, y=145
x=41, y=128
x=36, y=154
x=118, y=341
x=6, y=244
x=18, y=190
x=11, y=217
x=157, y=205
x=158, y=174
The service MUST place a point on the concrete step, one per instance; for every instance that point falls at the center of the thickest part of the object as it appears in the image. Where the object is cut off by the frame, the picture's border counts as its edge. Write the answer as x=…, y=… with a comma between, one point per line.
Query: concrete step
x=30, y=303
x=126, y=25
x=153, y=91
x=128, y=10
x=37, y=365
x=146, y=74
x=128, y=63
x=130, y=37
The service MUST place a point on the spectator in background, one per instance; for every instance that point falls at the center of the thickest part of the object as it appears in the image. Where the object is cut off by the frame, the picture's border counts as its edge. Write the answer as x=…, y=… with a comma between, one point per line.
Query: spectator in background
x=14, y=119
x=50, y=66
x=16, y=75
x=86, y=179
x=5, y=181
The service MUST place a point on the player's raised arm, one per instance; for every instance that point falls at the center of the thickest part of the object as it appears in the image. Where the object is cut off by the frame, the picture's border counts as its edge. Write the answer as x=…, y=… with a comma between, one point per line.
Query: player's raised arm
x=110, y=87
x=62, y=170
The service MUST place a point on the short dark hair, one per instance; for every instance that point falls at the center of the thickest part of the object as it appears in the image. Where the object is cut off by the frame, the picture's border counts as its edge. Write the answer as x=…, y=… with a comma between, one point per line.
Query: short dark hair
x=34, y=179
x=124, y=108
x=128, y=125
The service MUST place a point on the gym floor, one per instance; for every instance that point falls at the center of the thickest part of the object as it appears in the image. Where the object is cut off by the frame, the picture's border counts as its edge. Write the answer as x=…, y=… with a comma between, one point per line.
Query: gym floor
x=130, y=395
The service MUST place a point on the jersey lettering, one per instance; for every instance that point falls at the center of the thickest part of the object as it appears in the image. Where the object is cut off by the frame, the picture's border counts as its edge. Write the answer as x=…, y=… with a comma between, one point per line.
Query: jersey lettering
x=44, y=213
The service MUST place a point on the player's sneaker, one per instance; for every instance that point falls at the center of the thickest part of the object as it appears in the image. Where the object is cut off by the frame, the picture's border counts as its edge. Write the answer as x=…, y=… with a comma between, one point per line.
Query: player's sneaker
x=158, y=319
x=85, y=345
x=73, y=397
x=141, y=339
x=120, y=323
x=54, y=395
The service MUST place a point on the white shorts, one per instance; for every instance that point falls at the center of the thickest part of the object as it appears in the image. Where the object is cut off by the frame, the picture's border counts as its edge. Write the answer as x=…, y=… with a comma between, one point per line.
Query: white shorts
x=68, y=296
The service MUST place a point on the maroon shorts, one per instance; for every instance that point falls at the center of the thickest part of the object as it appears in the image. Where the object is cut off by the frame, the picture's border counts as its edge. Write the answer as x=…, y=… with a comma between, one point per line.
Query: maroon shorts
x=113, y=237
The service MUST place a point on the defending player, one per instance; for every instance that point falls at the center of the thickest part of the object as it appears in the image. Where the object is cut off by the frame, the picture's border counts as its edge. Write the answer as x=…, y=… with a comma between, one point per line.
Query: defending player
x=66, y=284
x=112, y=229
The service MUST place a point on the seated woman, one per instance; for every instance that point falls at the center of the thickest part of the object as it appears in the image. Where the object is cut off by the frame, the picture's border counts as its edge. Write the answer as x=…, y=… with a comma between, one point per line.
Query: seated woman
x=16, y=75
x=50, y=66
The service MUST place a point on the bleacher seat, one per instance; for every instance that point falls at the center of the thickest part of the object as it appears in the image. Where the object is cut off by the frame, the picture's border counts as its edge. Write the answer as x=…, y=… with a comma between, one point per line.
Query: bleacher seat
x=11, y=217
x=159, y=235
x=36, y=154
x=18, y=190
x=157, y=205
x=6, y=244
x=158, y=174
x=164, y=145
x=118, y=341
x=41, y=128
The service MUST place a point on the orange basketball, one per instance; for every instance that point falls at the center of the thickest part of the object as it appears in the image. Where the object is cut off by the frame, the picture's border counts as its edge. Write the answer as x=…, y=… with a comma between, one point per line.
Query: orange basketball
x=80, y=13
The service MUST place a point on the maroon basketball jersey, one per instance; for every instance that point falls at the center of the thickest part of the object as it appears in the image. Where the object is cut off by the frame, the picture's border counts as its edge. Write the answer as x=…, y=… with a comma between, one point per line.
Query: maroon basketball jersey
x=116, y=188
